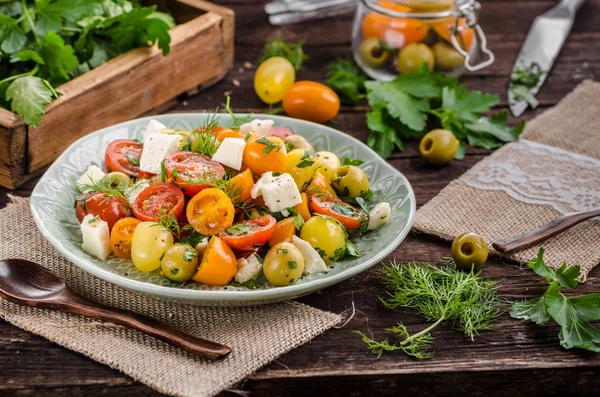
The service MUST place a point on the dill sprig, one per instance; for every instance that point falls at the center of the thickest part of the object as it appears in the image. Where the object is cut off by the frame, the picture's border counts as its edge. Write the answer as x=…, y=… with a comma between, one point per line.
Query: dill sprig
x=439, y=294
x=236, y=121
x=106, y=186
x=204, y=138
x=170, y=223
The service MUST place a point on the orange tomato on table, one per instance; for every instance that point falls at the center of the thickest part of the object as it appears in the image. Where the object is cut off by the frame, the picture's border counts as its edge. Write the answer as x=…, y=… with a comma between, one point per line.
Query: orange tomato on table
x=312, y=101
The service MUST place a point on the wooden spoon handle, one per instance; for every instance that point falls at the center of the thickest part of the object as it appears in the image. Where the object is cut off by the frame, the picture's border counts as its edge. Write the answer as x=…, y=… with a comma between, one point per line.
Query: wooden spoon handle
x=544, y=232
x=197, y=346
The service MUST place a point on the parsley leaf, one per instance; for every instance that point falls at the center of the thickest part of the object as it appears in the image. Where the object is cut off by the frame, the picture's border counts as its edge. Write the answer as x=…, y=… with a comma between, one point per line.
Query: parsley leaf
x=29, y=96
x=59, y=57
x=239, y=229
x=347, y=80
x=293, y=52
x=354, y=162
x=269, y=146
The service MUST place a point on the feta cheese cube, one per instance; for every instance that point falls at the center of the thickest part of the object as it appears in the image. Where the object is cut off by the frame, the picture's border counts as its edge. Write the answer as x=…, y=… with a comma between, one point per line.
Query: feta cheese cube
x=96, y=237
x=278, y=192
x=153, y=127
x=248, y=268
x=157, y=147
x=90, y=176
x=378, y=216
x=134, y=190
x=230, y=153
x=313, y=263
x=260, y=127
x=201, y=246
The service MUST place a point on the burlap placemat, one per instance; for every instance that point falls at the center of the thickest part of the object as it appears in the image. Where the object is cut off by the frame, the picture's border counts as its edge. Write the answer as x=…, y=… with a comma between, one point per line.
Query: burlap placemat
x=257, y=335
x=553, y=170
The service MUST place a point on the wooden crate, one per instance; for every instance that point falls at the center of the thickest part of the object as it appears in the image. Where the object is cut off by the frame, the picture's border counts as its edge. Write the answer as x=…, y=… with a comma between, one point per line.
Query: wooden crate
x=124, y=88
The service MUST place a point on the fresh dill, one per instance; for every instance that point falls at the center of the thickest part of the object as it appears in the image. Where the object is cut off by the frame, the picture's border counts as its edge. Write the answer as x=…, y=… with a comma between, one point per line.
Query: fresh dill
x=170, y=223
x=204, y=138
x=236, y=121
x=106, y=186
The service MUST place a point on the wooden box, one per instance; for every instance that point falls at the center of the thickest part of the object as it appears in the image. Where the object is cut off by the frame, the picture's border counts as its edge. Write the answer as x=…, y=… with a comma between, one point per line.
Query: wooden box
x=124, y=88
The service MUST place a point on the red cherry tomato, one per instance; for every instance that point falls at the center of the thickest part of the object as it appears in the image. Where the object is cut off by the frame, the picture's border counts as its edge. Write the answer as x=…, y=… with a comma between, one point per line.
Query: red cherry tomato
x=108, y=207
x=190, y=171
x=347, y=215
x=279, y=132
x=312, y=101
x=158, y=200
x=245, y=236
x=123, y=155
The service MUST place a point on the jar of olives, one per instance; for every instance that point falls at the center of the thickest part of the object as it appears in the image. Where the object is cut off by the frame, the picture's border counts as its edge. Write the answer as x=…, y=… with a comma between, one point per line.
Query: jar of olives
x=392, y=37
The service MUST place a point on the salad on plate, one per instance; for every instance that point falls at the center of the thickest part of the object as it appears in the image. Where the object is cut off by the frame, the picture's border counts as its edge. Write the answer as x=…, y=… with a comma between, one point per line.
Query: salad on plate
x=249, y=205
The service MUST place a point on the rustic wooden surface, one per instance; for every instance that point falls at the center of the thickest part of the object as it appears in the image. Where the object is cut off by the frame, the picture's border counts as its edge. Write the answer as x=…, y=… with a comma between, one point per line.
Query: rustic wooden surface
x=513, y=359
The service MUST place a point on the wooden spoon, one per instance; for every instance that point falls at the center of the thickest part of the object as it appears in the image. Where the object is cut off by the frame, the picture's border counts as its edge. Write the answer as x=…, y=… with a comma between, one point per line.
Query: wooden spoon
x=544, y=232
x=25, y=282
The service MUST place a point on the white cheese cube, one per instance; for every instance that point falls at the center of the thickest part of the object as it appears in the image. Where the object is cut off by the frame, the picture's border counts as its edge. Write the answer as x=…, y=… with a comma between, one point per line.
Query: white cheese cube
x=230, y=153
x=313, y=263
x=248, y=268
x=378, y=216
x=90, y=176
x=260, y=127
x=201, y=246
x=153, y=127
x=157, y=147
x=278, y=192
x=134, y=190
x=96, y=237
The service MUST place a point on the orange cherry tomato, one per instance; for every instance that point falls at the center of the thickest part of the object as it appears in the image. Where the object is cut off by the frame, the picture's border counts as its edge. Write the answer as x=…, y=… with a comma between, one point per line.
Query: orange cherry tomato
x=302, y=208
x=121, y=236
x=240, y=186
x=320, y=187
x=250, y=234
x=218, y=264
x=265, y=154
x=312, y=101
x=229, y=133
x=158, y=200
x=346, y=214
x=395, y=31
x=284, y=231
x=210, y=212
x=444, y=26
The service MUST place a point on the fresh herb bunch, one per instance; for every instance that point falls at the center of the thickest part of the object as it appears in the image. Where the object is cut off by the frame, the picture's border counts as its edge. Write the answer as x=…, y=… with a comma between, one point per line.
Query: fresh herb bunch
x=523, y=80
x=572, y=314
x=404, y=106
x=439, y=294
x=347, y=80
x=45, y=43
x=293, y=52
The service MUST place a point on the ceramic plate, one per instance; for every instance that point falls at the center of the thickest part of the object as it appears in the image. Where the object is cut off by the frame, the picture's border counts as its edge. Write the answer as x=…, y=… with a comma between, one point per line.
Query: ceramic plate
x=53, y=197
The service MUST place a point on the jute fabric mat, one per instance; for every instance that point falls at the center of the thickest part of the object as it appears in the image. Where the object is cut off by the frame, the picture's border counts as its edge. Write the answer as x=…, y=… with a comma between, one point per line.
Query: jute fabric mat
x=257, y=335
x=553, y=170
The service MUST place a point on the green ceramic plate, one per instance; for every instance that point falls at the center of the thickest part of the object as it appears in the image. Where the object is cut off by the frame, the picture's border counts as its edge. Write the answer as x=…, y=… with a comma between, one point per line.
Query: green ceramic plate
x=52, y=208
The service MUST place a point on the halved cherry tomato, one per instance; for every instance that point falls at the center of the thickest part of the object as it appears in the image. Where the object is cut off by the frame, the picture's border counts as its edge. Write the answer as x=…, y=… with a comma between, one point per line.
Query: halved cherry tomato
x=109, y=208
x=395, y=31
x=215, y=130
x=265, y=154
x=312, y=101
x=443, y=28
x=320, y=187
x=218, y=264
x=249, y=234
x=240, y=186
x=121, y=236
x=191, y=171
x=210, y=212
x=279, y=132
x=347, y=215
x=123, y=155
x=229, y=133
x=284, y=230
x=302, y=208
x=158, y=200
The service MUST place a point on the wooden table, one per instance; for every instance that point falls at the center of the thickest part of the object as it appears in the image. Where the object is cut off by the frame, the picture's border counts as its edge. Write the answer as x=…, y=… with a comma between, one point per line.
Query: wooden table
x=513, y=359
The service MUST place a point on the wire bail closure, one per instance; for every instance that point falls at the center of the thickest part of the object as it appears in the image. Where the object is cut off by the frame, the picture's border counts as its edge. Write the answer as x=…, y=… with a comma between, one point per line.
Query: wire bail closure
x=470, y=14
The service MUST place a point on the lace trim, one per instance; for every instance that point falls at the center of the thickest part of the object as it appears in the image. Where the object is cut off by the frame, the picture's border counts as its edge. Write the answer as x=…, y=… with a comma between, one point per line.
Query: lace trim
x=535, y=173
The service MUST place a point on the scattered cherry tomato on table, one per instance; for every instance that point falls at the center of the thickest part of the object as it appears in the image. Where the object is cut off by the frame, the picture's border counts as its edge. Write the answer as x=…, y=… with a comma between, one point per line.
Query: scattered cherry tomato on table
x=312, y=101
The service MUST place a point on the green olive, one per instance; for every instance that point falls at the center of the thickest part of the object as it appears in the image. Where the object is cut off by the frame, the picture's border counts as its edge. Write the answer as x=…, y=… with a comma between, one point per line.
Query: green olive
x=373, y=53
x=284, y=264
x=118, y=179
x=446, y=57
x=413, y=56
x=438, y=147
x=298, y=142
x=469, y=251
x=350, y=181
x=179, y=263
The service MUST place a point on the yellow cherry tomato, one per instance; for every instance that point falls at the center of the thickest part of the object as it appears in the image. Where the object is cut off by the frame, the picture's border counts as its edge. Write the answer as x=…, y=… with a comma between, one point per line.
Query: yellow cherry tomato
x=121, y=236
x=149, y=243
x=241, y=185
x=210, y=212
x=312, y=101
x=302, y=208
x=284, y=231
x=326, y=235
x=265, y=154
x=273, y=78
x=284, y=264
x=329, y=163
x=302, y=165
x=218, y=264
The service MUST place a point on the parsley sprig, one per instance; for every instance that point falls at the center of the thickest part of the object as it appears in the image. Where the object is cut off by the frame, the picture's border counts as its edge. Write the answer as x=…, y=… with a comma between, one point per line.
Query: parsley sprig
x=293, y=52
x=571, y=313
x=347, y=80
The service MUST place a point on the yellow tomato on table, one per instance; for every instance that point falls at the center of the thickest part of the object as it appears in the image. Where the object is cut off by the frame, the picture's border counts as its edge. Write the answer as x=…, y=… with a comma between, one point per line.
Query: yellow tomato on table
x=273, y=78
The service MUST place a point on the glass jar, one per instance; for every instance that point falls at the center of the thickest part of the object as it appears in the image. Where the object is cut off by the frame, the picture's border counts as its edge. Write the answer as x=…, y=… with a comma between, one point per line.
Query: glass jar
x=391, y=37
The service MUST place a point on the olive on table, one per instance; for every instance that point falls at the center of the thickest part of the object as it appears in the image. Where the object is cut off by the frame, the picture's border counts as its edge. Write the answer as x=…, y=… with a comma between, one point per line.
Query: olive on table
x=326, y=235
x=284, y=264
x=413, y=56
x=179, y=263
x=446, y=57
x=469, y=251
x=350, y=181
x=373, y=53
x=438, y=147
